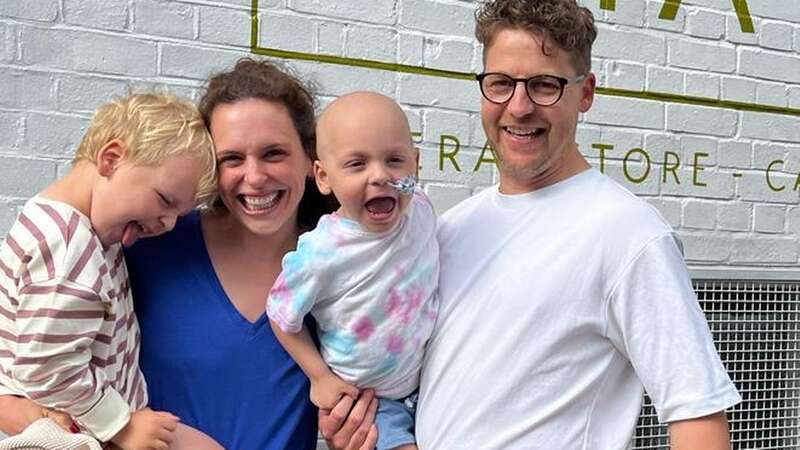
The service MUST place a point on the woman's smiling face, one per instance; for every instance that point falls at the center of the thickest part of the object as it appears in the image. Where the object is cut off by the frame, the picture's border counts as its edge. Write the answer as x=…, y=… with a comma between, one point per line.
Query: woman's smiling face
x=262, y=164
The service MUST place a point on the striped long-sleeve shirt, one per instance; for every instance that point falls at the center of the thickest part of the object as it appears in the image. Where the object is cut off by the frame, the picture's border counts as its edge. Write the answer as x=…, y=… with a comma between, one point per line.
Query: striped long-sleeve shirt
x=69, y=339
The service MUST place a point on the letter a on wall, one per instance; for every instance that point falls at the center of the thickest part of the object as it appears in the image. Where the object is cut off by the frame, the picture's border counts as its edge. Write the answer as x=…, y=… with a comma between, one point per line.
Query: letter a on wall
x=670, y=9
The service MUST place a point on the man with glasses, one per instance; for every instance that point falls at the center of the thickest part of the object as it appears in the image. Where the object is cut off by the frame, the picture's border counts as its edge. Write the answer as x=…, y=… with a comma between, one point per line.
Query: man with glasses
x=561, y=293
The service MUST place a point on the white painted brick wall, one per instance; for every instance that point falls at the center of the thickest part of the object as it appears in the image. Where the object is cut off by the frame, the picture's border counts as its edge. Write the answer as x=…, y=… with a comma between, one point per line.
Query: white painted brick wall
x=770, y=218
x=699, y=214
x=701, y=84
x=777, y=35
x=59, y=59
x=711, y=56
x=706, y=24
x=701, y=119
x=43, y=10
x=734, y=216
x=769, y=64
x=164, y=18
x=105, y=14
x=739, y=89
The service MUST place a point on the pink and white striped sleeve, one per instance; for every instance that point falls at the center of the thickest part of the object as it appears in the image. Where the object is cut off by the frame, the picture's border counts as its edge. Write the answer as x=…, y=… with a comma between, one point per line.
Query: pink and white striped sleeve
x=58, y=323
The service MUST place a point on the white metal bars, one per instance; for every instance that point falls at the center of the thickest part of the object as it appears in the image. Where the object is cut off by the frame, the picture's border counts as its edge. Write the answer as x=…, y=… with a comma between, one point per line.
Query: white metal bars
x=756, y=328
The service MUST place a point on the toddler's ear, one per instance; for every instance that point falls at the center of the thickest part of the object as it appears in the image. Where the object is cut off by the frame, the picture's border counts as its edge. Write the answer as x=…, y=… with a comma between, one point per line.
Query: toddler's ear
x=321, y=177
x=109, y=157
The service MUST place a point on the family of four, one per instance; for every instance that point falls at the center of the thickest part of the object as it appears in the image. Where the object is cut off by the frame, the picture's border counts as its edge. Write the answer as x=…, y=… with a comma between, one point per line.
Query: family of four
x=316, y=286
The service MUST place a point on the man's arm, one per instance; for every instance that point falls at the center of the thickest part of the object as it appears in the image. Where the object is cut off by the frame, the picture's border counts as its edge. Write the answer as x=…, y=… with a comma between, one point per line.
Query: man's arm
x=702, y=433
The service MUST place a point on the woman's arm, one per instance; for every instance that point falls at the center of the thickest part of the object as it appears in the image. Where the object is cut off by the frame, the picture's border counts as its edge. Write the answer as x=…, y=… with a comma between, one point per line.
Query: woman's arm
x=16, y=413
x=326, y=387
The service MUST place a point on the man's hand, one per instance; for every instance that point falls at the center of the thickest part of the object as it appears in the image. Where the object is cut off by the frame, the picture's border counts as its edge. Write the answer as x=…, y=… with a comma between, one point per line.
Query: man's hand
x=351, y=426
x=326, y=391
x=703, y=433
x=147, y=430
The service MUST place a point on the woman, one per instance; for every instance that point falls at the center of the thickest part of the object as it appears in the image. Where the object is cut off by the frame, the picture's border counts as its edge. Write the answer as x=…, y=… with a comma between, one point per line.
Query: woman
x=208, y=353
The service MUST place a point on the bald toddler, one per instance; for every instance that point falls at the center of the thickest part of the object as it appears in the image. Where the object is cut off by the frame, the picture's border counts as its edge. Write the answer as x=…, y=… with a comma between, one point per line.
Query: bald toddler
x=368, y=272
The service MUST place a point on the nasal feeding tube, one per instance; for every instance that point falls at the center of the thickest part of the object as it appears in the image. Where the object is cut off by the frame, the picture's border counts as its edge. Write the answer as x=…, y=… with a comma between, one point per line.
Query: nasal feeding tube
x=405, y=185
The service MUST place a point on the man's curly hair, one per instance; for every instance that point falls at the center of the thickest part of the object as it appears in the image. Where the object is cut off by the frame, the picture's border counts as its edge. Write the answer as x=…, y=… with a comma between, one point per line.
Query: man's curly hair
x=563, y=22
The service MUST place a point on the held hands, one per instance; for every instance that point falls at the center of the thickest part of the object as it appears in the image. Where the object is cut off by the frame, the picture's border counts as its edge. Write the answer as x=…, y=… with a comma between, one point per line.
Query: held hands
x=147, y=430
x=328, y=389
x=350, y=425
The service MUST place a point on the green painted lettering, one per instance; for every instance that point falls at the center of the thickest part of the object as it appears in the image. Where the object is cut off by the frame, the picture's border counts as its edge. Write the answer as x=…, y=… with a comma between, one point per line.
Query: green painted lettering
x=610, y=5
x=602, y=148
x=482, y=159
x=769, y=181
x=451, y=155
x=625, y=165
x=670, y=168
x=669, y=10
x=697, y=169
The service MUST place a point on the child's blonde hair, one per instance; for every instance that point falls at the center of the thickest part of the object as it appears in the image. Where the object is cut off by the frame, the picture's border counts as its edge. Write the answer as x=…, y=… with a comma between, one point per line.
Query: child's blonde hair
x=153, y=127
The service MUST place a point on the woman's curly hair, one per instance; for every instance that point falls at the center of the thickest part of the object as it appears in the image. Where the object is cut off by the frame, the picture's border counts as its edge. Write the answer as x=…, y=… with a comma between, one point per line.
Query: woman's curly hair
x=564, y=22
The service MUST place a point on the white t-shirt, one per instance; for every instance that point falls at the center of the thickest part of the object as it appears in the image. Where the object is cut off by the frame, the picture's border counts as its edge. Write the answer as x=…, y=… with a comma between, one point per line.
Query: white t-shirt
x=555, y=307
x=372, y=295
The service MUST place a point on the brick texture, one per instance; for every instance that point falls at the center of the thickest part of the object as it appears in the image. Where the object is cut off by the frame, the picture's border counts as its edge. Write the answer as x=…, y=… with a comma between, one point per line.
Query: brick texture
x=726, y=180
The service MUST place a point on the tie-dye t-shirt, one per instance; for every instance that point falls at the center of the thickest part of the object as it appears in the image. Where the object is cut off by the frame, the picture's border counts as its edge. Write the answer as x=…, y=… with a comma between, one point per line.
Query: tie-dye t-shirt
x=372, y=295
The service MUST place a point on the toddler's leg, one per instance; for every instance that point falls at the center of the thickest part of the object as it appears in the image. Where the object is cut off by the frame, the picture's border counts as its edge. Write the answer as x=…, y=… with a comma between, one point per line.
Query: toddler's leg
x=395, y=421
x=188, y=438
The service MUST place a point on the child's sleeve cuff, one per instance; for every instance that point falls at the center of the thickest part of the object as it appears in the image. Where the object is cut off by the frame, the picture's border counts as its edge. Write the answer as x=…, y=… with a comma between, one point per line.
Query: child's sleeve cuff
x=107, y=417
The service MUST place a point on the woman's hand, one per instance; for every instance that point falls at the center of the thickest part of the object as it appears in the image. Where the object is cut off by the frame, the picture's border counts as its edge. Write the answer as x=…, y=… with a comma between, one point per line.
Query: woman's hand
x=16, y=413
x=351, y=426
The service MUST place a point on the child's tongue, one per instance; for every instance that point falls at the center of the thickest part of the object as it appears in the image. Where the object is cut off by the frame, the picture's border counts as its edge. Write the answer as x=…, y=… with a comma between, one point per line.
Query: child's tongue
x=380, y=205
x=130, y=234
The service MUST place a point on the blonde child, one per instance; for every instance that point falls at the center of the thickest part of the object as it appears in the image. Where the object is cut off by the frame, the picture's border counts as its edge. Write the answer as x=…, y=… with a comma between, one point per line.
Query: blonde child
x=69, y=339
x=368, y=272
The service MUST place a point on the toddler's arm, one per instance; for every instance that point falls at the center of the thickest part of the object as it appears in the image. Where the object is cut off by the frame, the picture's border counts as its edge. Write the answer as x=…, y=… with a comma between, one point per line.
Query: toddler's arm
x=326, y=387
x=57, y=323
x=146, y=430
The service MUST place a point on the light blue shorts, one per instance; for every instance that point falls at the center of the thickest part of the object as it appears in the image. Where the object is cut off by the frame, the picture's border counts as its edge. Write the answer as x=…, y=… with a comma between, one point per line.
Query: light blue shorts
x=395, y=421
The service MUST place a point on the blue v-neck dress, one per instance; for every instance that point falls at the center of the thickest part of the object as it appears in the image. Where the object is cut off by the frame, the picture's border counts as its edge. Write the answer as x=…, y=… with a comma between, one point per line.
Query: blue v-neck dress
x=203, y=361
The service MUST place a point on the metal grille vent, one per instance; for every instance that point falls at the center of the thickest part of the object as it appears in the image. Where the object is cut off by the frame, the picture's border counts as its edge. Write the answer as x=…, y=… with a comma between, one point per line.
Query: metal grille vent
x=756, y=328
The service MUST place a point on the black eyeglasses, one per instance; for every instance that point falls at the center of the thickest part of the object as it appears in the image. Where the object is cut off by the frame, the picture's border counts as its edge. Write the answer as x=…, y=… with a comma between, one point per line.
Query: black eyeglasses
x=543, y=90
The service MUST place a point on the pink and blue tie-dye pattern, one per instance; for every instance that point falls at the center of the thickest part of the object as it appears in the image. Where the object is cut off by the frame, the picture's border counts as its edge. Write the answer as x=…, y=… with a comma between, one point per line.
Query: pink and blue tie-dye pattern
x=371, y=294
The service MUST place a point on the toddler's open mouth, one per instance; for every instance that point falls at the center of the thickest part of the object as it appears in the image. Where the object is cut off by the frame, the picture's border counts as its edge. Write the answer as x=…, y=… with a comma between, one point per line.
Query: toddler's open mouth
x=380, y=208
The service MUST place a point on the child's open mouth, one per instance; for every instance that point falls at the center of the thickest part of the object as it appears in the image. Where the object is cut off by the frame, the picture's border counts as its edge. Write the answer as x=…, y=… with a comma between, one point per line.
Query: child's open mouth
x=380, y=208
